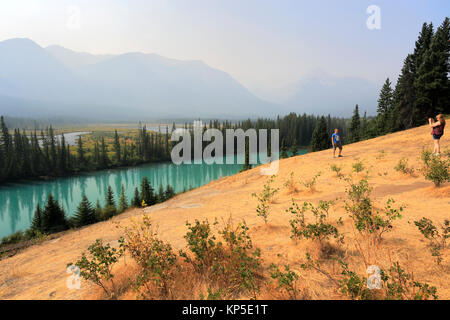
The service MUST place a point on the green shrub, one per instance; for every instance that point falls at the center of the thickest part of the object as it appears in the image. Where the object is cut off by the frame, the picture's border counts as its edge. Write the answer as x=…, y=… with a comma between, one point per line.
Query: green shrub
x=212, y=295
x=98, y=267
x=437, y=240
x=265, y=198
x=311, y=183
x=402, y=166
x=232, y=265
x=155, y=257
x=242, y=268
x=399, y=285
x=322, y=229
x=366, y=218
x=394, y=283
x=336, y=169
x=203, y=244
x=353, y=285
x=358, y=166
x=381, y=154
x=286, y=280
x=437, y=170
x=290, y=184
x=426, y=156
x=20, y=236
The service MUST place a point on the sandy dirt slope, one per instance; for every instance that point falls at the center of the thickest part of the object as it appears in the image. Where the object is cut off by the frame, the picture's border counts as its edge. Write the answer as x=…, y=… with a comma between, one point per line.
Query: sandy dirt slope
x=39, y=272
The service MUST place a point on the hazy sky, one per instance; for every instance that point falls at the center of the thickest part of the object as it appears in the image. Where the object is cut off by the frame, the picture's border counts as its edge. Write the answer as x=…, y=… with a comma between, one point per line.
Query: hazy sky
x=264, y=44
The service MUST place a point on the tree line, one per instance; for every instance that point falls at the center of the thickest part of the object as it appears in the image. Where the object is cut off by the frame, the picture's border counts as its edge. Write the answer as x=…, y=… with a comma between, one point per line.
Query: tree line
x=25, y=156
x=41, y=154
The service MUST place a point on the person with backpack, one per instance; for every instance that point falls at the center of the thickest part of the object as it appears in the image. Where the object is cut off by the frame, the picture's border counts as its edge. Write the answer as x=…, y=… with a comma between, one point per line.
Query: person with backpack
x=437, y=131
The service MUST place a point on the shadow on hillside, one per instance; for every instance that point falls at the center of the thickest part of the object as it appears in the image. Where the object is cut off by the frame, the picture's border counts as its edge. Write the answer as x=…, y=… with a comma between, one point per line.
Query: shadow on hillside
x=390, y=189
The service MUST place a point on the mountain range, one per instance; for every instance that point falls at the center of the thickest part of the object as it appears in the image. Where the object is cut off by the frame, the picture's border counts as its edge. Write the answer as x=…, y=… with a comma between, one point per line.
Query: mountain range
x=55, y=81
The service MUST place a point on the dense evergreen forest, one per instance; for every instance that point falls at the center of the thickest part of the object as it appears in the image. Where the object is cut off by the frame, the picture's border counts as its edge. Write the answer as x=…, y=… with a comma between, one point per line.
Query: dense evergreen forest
x=25, y=156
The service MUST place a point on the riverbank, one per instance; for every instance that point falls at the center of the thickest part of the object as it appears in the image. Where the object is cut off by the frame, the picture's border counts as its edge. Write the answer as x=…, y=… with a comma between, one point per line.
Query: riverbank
x=39, y=272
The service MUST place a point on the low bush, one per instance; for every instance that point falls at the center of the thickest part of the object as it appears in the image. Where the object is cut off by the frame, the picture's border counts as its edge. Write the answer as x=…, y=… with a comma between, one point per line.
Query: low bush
x=436, y=169
x=97, y=267
x=155, y=258
x=437, y=240
x=286, y=280
x=370, y=222
x=290, y=184
x=358, y=167
x=265, y=198
x=337, y=169
x=311, y=183
x=321, y=229
x=391, y=284
x=402, y=166
x=232, y=265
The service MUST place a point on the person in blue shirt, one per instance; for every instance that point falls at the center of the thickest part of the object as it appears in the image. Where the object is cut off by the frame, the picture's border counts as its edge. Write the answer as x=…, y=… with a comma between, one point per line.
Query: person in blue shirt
x=336, y=142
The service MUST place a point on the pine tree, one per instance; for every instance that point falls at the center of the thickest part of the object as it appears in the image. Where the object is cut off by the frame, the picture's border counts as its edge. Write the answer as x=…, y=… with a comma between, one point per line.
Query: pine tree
x=110, y=197
x=169, y=193
x=117, y=147
x=98, y=211
x=104, y=160
x=136, y=199
x=355, y=126
x=294, y=147
x=404, y=97
x=63, y=155
x=5, y=151
x=246, y=165
x=97, y=160
x=432, y=83
x=53, y=155
x=80, y=153
x=110, y=204
x=147, y=192
x=385, y=108
x=320, y=139
x=37, y=219
x=422, y=45
x=161, y=195
x=85, y=213
x=53, y=217
x=123, y=202
x=364, y=127
x=283, y=154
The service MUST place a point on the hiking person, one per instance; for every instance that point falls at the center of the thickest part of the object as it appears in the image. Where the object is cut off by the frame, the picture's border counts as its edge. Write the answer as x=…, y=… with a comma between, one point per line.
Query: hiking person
x=336, y=142
x=437, y=132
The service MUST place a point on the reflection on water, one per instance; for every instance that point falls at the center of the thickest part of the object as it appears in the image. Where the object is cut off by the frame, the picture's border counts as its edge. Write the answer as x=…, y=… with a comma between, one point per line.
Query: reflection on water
x=18, y=201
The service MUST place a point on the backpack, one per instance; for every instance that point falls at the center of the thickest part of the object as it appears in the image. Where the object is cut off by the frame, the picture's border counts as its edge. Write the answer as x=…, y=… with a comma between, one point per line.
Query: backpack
x=438, y=130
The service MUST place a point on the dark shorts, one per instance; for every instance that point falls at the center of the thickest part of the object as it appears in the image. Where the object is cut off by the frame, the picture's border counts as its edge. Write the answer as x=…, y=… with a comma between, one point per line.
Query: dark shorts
x=337, y=145
x=437, y=136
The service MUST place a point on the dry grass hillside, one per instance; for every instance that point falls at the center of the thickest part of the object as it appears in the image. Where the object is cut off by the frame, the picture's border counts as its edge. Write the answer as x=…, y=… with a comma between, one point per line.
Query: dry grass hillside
x=39, y=272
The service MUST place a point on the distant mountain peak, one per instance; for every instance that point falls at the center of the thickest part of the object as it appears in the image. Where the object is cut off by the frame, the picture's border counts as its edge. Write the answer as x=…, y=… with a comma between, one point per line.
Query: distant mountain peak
x=133, y=85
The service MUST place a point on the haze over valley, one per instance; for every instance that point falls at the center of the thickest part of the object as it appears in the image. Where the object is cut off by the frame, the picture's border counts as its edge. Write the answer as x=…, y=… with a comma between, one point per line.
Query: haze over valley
x=55, y=81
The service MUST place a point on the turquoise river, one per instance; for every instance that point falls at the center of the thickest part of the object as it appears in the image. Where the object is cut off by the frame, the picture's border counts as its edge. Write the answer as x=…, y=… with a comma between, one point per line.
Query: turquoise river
x=18, y=200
